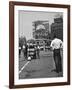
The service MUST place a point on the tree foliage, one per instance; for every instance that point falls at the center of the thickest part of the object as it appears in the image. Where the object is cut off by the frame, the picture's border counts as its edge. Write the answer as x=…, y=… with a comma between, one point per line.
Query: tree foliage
x=22, y=41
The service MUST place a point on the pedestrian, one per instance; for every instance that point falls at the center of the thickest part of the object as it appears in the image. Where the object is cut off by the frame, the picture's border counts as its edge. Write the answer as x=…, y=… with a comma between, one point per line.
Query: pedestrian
x=35, y=50
x=56, y=45
x=23, y=48
x=20, y=49
x=38, y=51
x=25, y=51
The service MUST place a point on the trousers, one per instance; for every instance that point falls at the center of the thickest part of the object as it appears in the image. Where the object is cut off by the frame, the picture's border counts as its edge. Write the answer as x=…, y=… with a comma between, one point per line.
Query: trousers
x=57, y=60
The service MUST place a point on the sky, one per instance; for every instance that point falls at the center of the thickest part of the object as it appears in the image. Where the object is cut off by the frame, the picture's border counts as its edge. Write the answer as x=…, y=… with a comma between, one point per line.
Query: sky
x=25, y=19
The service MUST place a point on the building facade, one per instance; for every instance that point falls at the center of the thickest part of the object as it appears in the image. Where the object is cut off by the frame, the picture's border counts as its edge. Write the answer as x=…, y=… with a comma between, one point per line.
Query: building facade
x=57, y=28
x=41, y=32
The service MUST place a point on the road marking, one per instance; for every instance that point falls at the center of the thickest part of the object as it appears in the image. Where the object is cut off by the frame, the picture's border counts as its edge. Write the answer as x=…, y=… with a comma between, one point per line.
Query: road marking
x=24, y=67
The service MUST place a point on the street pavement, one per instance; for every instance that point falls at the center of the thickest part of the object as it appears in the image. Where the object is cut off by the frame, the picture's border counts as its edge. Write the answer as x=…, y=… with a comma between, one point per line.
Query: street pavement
x=38, y=68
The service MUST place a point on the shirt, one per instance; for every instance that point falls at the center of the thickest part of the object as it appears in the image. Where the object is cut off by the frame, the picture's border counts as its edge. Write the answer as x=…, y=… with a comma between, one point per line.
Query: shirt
x=19, y=47
x=56, y=44
x=38, y=47
x=23, y=47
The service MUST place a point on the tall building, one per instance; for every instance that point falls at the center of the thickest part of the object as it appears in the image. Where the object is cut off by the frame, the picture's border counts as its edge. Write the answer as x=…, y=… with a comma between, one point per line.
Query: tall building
x=41, y=32
x=41, y=29
x=57, y=28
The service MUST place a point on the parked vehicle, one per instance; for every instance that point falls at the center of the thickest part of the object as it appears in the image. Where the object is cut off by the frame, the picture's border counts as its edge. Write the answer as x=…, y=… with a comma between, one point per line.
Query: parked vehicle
x=41, y=48
x=31, y=51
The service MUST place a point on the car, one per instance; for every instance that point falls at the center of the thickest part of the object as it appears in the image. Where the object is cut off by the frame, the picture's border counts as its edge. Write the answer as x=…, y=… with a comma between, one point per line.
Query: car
x=47, y=47
x=41, y=48
x=31, y=51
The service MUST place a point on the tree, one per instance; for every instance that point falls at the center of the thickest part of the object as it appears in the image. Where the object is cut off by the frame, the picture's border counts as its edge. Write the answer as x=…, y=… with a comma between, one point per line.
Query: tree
x=22, y=41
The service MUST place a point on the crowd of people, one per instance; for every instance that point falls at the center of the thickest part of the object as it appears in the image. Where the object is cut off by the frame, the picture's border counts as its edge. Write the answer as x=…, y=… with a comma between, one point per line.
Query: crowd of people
x=30, y=51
